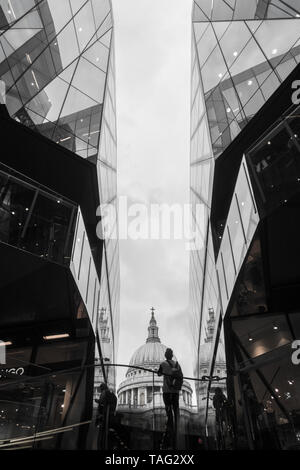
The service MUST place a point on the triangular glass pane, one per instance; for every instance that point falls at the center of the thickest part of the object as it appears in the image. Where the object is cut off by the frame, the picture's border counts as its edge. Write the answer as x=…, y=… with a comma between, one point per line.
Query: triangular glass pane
x=53, y=94
x=206, y=45
x=206, y=8
x=83, y=21
x=68, y=73
x=76, y=102
x=17, y=37
x=98, y=55
x=234, y=40
x=61, y=14
x=31, y=20
x=101, y=9
x=76, y=5
x=276, y=39
x=105, y=26
x=245, y=10
x=67, y=45
x=106, y=38
x=200, y=29
x=221, y=27
x=222, y=11
x=198, y=15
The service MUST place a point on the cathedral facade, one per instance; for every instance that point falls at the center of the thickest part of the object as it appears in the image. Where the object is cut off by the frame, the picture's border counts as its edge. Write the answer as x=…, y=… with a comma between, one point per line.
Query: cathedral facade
x=140, y=395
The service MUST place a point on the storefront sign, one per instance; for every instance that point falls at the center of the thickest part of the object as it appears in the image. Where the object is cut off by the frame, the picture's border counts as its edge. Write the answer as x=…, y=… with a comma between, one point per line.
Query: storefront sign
x=13, y=371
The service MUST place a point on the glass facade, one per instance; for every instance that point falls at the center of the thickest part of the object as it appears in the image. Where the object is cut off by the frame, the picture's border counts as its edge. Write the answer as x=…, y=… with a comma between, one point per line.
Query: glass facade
x=242, y=60
x=47, y=49
x=242, y=52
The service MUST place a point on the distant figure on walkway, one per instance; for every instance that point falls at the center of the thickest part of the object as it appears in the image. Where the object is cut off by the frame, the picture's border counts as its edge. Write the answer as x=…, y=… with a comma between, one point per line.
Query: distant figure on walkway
x=107, y=404
x=219, y=400
x=173, y=380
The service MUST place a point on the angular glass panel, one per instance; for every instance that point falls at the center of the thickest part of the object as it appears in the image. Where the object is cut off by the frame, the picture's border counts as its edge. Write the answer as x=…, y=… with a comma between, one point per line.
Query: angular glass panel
x=205, y=7
x=254, y=104
x=250, y=56
x=101, y=8
x=206, y=45
x=200, y=29
x=268, y=83
x=14, y=9
x=286, y=66
x=77, y=4
x=76, y=101
x=234, y=40
x=213, y=70
x=246, y=89
x=67, y=45
x=106, y=39
x=83, y=25
x=105, y=26
x=60, y=12
x=56, y=92
x=276, y=41
x=198, y=14
x=245, y=10
x=221, y=10
x=94, y=87
x=98, y=55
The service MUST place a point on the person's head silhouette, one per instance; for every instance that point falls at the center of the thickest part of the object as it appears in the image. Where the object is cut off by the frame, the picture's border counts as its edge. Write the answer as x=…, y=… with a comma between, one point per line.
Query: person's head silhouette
x=168, y=354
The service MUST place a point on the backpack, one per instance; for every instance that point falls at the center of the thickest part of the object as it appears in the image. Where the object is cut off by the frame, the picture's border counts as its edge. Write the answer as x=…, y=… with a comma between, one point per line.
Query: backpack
x=176, y=379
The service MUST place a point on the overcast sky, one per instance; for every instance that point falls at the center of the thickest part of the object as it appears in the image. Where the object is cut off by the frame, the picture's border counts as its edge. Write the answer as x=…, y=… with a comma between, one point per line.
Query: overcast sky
x=153, y=42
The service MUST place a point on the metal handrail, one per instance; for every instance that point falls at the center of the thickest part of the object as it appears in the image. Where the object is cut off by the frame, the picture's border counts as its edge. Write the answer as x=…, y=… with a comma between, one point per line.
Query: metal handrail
x=52, y=374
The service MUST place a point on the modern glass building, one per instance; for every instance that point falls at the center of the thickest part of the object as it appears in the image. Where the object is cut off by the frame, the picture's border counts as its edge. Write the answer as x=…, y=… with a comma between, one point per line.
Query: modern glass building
x=59, y=282
x=245, y=185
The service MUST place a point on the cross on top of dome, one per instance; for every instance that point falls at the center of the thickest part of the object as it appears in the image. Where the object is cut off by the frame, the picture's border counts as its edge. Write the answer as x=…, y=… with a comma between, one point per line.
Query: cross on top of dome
x=153, y=329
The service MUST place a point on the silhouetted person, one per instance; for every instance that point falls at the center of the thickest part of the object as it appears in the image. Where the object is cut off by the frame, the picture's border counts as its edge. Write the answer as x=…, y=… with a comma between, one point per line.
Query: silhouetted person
x=107, y=404
x=219, y=403
x=173, y=379
x=219, y=400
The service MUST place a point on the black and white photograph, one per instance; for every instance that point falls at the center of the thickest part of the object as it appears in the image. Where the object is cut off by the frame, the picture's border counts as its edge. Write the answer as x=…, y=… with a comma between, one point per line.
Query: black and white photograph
x=149, y=228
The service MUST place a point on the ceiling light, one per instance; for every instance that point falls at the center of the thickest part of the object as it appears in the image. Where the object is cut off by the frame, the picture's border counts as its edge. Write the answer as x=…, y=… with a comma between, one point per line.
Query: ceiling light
x=228, y=110
x=235, y=53
x=274, y=51
x=60, y=336
x=80, y=29
x=250, y=82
